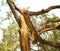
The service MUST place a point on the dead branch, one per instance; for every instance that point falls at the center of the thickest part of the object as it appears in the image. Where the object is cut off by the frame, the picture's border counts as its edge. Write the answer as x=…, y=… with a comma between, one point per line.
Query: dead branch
x=44, y=10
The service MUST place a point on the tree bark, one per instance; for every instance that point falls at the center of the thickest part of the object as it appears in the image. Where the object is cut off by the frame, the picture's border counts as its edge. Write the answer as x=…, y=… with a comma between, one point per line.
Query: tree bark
x=24, y=32
x=24, y=21
x=24, y=35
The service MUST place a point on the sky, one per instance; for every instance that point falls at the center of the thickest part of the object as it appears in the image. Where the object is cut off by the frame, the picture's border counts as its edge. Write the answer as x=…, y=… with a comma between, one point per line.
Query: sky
x=34, y=5
x=37, y=5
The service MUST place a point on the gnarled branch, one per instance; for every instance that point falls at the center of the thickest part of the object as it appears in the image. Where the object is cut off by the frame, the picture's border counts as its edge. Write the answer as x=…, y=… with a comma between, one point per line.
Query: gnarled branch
x=44, y=10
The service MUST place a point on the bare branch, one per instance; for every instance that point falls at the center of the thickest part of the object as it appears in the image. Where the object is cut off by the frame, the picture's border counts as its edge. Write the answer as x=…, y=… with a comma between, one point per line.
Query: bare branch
x=49, y=27
x=14, y=11
x=44, y=10
x=12, y=8
x=19, y=10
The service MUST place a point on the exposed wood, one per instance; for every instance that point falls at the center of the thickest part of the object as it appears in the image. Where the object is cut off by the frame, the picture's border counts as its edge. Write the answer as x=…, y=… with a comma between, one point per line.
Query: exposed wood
x=24, y=32
x=24, y=35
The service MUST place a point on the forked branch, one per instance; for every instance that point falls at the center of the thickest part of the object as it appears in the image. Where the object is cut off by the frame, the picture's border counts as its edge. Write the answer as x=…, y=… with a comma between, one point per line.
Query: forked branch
x=26, y=14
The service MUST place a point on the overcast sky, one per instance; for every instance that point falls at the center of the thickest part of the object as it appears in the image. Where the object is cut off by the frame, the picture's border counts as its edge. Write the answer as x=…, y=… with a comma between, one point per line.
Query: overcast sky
x=34, y=5
x=37, y=4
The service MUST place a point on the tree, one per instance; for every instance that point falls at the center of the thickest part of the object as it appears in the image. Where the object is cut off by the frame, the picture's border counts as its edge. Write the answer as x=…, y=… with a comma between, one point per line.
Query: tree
x=30, y=33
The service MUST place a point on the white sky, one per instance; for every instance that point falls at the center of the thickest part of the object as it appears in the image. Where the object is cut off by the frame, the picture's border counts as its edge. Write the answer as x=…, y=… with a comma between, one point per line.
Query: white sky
x=37, y=4
x=34, y=5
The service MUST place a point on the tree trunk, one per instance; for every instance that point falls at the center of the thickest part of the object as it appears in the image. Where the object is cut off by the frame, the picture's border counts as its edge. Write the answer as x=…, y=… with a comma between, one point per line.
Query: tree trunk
x=24, y=35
